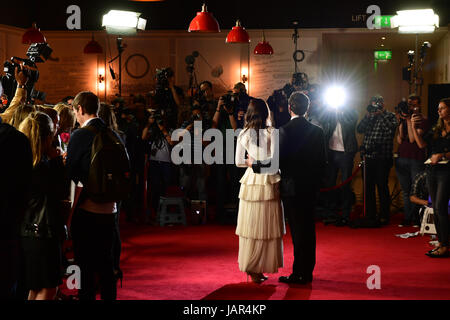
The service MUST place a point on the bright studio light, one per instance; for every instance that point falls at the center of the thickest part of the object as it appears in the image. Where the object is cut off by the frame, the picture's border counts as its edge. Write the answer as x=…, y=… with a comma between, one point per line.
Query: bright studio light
x=123, y=22
x=415, y=21
x=335, y=96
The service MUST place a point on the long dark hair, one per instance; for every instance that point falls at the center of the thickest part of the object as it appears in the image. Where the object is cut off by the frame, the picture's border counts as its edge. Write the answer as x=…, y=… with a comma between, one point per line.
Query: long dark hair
x=256, y=117
x=440, y=123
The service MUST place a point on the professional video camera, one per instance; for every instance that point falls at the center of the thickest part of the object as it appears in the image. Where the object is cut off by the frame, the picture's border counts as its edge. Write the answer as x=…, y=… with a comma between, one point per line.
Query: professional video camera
x=231, y=100
x=375, y=105
x=37, y=53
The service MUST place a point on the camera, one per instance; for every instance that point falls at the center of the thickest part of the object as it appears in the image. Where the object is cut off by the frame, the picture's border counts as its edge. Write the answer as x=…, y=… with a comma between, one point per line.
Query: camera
x=162, y=78
x=376, y=104
x=300, y=79
x=231, y=100
x=157, y=116
x=36, y=53
x=403, y=109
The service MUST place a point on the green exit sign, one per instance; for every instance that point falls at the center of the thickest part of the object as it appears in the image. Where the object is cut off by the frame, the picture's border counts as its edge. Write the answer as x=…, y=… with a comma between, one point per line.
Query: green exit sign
x=382, y=22
x=383, y=54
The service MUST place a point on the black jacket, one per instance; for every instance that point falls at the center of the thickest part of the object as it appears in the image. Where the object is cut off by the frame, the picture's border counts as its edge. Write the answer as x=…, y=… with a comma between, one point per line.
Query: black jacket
x=16, y=163
x=348, y=120
x=303, y=158
x=49, y=186
x=79, y=152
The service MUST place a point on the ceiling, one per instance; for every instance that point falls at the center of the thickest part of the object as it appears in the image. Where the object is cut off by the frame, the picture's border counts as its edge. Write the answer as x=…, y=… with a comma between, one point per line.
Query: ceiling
x=176, y=14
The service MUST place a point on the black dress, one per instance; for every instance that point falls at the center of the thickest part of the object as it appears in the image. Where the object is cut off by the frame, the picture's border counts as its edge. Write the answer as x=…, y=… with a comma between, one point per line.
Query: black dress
x=42, y=228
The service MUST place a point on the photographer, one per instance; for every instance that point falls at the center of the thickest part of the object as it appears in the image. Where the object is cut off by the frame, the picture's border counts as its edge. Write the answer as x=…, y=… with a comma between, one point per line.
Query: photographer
x=278, y=105
x=226, y=174
x=192, y=174
x=378, y=127
x=168, y=97
x=410, y=157
x=207, y=102
x=19, y=97
x=339, y=126
x=159, y=140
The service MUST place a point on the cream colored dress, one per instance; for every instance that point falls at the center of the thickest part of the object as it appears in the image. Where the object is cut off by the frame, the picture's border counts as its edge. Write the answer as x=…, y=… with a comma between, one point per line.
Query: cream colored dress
x=260, y=224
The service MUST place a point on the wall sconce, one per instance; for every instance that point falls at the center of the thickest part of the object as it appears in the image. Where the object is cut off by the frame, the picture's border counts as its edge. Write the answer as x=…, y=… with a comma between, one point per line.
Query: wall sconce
x=244, y=75
x=101, y=79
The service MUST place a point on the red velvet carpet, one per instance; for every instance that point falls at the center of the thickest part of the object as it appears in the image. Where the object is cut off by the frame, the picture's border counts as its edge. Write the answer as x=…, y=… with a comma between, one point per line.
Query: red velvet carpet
x=200, y=262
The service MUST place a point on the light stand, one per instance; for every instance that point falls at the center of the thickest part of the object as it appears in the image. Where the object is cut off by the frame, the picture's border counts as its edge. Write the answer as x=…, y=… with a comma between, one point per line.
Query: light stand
x=120, y=49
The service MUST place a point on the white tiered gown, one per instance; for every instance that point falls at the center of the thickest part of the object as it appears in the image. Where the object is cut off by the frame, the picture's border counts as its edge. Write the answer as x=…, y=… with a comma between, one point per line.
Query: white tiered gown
x=260, y=224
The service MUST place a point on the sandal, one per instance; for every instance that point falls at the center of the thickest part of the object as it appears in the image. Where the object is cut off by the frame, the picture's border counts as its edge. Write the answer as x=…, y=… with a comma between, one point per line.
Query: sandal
x=438, y=254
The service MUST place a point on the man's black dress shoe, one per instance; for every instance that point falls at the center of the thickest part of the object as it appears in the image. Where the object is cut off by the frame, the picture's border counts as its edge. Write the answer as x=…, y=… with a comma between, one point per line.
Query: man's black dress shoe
x=295, y=279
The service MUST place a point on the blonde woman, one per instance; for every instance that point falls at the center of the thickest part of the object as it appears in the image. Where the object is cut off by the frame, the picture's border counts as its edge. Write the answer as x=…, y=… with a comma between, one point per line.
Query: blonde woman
x=42, y=227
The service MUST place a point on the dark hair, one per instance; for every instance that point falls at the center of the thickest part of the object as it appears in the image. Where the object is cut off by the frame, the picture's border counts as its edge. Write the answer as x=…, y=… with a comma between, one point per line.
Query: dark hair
x=207, y=83
x=437, y=129
x=240, y=86
x=415, y=97
x=88, y=100
x=66, y=99
x=256, y=117
x=106, y=113
x=299, y=103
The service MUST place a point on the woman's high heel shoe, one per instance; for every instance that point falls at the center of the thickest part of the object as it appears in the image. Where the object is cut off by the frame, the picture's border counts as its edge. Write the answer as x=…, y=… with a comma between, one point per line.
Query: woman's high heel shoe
x=118, y=275
x=256, y=277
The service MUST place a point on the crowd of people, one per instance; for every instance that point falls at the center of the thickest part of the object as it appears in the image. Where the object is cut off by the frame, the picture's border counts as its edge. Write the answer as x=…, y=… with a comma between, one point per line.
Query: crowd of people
x=49, y=158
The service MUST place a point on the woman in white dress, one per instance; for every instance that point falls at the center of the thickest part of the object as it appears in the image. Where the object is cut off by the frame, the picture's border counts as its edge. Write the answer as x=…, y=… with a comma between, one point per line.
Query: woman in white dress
x=260, y=225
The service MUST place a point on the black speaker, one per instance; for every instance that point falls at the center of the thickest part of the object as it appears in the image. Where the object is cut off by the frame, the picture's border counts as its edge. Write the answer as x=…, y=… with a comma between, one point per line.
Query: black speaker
x=436, y=92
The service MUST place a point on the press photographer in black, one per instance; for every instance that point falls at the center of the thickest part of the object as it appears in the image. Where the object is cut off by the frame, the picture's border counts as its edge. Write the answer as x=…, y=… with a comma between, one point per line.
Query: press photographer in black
x=378, y=127
x=168, y=97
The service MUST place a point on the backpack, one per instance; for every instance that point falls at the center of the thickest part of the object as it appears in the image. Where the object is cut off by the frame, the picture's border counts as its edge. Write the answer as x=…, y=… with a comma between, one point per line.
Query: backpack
x=109, y=171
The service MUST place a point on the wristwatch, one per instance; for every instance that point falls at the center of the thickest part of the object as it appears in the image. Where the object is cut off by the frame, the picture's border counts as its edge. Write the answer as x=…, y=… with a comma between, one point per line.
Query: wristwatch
x=22, y=86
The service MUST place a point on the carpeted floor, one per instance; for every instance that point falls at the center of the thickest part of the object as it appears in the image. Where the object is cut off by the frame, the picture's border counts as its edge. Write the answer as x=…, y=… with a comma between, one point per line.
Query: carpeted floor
x=200, y=262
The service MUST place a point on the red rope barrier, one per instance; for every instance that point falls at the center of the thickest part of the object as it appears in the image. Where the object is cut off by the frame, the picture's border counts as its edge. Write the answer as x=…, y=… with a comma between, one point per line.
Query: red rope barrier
x=343, y=183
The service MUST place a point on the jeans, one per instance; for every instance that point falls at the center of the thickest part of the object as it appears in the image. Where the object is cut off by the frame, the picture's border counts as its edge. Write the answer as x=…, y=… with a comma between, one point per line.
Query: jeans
x=406, y=170
x=377, y=174
x=340, y=161
x=438, y=182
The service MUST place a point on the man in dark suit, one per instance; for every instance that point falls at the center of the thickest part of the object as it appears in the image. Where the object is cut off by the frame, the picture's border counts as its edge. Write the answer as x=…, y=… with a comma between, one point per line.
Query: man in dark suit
x=92, y=223
x=302, y=163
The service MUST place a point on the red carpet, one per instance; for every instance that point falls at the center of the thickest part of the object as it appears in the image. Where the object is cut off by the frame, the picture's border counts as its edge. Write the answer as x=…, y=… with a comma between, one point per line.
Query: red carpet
x=200, y=262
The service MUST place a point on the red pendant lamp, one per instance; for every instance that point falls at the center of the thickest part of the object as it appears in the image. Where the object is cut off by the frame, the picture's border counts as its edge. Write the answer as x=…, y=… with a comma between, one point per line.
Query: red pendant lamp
x=93, y=47
x=263, y=48
x=204, y=22
x=33, y=35
x=238, y=34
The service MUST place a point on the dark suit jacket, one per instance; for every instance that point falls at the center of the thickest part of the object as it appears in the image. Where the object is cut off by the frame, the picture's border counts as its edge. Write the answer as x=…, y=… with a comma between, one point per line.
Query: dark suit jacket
x=302, y=157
